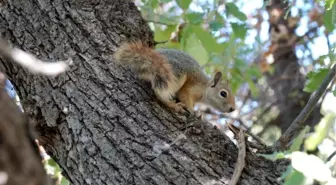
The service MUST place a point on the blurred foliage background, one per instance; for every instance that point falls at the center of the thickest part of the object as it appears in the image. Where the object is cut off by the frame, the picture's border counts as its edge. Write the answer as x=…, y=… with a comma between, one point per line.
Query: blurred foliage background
x=275, y=54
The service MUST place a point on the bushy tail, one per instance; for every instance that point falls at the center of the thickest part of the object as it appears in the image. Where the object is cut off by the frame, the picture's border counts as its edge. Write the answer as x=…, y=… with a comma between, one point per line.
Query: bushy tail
x=147, y=63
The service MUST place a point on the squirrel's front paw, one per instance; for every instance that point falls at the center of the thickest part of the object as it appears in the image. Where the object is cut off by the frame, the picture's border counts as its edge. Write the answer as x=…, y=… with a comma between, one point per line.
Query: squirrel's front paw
x=177, y=107
x=181, y=108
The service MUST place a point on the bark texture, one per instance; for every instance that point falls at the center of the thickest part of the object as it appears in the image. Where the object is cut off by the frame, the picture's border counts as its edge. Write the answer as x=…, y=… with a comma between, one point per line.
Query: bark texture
x=286, y=82
x=20, y=161
x=100, y=123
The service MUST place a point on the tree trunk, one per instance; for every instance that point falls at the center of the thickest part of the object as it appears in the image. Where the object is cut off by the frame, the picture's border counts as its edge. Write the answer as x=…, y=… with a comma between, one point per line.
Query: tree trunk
x=99, y=122
x=286, y=82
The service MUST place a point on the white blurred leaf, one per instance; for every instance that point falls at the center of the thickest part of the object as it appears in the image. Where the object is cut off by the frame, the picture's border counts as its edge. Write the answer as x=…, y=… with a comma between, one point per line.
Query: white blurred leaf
x=311, y=166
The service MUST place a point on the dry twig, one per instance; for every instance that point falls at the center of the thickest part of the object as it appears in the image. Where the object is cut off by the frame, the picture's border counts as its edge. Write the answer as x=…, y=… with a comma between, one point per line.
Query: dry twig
x=242, y=124
x=331, y=156
x=240, y=164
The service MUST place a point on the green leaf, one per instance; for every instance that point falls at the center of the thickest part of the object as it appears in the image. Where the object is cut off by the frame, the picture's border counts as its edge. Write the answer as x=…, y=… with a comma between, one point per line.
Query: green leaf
x=163, y=35
x=315, y=79
x=149, y=14
x=239, y=30
x=234, y=10
x=215, y=26
x=321, y=132
x=329, y=19
x=254, y=71
x=196, y=50
x=239, y=64
x=195, y=18
x=208, y=41
x=237, y=79
x=311, y=166
x=329, y=4
x=154, y=3
x=296, y=178
x=230, y=50
x=331, y=56
x=217, y=23
x=184, y=4
x=238, y=75
x=186, y=32
x=170, y=44
x=299, y=140
x=52, y=163
x=217, y=59
x=64, y=182
x=288, y=172
x=253, y=87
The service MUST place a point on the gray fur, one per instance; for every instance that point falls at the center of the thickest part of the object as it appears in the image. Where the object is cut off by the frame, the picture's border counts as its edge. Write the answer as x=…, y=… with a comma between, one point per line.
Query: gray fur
x=180, y=67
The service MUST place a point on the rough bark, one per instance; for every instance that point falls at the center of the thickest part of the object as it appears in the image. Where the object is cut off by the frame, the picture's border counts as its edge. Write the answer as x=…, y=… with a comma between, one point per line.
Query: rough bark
x=20, y=162
x=100, y=123
x=286, y=82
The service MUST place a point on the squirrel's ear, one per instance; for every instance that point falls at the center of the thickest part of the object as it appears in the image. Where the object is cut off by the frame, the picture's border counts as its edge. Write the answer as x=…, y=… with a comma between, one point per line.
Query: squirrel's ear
x=216, y=79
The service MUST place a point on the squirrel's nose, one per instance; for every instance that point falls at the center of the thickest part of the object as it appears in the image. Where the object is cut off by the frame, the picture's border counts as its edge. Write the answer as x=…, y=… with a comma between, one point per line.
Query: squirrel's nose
x=231, y=109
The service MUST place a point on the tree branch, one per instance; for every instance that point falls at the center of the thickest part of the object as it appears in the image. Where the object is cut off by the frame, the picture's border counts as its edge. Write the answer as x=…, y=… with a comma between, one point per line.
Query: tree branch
x=20, y=162
x=298, y=124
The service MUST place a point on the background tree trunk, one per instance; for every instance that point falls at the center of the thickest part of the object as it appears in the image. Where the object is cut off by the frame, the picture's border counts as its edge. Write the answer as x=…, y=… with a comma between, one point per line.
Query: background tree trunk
x=101, y=124
x=287, y=82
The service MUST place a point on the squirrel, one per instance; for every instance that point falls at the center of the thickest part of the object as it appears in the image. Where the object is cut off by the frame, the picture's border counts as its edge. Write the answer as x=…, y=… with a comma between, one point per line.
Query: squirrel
x=174, y=74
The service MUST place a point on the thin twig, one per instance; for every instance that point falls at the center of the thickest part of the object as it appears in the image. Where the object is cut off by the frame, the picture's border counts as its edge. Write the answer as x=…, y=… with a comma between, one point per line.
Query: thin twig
x=240, y=164
x=255, y=138
x=161, y=23
x=331, y=156
x=328, y=42
x=30, y=62
x=299, y=122
x=160, y=42
x=256, y=145
x=242, y=124
x=267, y=109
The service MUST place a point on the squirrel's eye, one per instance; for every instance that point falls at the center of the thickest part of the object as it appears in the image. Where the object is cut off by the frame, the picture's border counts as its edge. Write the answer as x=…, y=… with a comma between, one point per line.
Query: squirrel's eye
x=223, y=94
